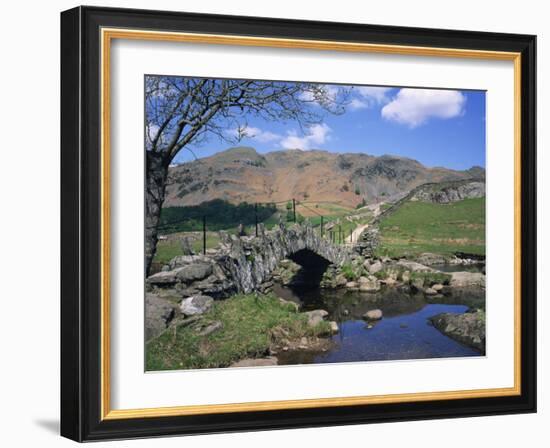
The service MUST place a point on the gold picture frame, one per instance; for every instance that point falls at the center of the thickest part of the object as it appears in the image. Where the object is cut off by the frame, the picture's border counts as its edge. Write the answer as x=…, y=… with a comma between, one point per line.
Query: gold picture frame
x=106, y=33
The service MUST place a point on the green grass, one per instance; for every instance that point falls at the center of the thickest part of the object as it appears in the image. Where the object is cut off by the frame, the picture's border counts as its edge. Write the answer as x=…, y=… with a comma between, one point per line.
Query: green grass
x=171, y=247
x=251, y=324
x=418, y=227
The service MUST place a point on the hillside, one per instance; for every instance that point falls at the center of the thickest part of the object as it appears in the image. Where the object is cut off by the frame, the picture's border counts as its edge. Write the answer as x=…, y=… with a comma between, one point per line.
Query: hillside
x=242, y=175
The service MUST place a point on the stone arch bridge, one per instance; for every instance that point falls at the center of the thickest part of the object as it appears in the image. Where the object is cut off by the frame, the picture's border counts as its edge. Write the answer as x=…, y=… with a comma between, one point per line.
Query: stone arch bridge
x=244, y=264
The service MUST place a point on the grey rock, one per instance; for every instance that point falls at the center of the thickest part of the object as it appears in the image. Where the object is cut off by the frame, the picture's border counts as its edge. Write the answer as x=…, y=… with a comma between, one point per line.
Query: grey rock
x=194, y=271
x=260, y=362
x=428, y=259
x=417, y=283
x=315, y=317
x=465, y=279
x=467, y=328
x=186, y=246
x=373, y=315
x=413, y=266
x=430, y=291
x=446, y=193
x=377, y=266
x=163, y=278
x=159, y=313
x=194, y=305
x=371, y=284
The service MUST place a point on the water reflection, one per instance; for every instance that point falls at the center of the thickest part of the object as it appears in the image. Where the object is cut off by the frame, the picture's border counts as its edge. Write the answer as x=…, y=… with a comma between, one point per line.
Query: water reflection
x=403, y=333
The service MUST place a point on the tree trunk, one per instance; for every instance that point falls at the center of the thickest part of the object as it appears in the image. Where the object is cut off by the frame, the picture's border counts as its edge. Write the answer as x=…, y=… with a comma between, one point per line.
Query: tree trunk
x=155, y=187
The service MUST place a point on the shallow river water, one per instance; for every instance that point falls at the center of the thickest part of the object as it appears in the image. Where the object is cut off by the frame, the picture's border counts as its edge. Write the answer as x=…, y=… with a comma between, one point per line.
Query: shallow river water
x=403, y=333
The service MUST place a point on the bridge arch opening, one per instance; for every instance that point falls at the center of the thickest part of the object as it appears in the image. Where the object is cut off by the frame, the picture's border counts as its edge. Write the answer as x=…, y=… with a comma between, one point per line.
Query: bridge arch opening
x=312, y=268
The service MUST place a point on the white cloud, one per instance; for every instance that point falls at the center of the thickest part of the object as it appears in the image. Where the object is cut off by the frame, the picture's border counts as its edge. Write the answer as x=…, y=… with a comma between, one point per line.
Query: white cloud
x=414, y=107
x=317, y=135
x=357, y=104
x=254, y=133
x=371, y=96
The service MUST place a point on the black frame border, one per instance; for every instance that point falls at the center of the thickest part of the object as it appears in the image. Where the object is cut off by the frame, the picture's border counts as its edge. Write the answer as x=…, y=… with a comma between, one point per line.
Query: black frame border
x=81, y=223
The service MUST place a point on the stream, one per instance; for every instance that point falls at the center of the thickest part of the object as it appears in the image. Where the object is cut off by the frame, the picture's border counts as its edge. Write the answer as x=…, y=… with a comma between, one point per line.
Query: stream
x=403, y=333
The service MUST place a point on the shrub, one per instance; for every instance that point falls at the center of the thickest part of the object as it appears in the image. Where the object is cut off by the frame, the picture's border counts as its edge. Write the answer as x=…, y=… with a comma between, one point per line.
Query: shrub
x=349, y=272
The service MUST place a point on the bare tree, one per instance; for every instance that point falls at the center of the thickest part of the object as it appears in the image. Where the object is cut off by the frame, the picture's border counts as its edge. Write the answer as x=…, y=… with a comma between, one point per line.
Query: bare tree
x=185, y=111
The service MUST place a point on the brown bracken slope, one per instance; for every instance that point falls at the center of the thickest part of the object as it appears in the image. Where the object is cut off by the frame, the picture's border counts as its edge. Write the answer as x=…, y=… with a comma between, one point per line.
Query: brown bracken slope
x=242, y=175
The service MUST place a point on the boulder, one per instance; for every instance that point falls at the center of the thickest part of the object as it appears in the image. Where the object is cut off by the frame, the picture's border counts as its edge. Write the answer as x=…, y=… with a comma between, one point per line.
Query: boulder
x=437, y=287
x=351, y=285
x=340, y=280
x=467, y=328
x=315, y=317
x=192, y=306
x=159, y=313
x=465, y=279
x=390, y=281
x=195, y=271
x=370, y=284
x=373, y=315
x=429, y=259
x=376, y=267
x=163, y=278
x=260, y=362
x=334, y=327
x=413, y=266
x=430, y=292
x=417, y=283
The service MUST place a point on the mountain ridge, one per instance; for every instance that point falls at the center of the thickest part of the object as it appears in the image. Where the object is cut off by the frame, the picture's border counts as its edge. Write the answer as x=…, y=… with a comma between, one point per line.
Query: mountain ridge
x=241, y=174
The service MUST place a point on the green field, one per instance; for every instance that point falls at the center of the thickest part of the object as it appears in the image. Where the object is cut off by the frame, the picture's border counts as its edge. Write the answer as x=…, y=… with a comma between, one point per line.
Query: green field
x=418, y=227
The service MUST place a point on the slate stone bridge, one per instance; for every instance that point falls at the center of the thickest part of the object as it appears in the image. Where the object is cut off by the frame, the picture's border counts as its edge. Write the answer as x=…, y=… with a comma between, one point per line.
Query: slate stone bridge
x=244, y=264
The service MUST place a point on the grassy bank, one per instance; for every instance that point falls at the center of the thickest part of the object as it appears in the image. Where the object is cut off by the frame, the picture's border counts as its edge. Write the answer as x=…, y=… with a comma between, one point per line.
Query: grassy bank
x=251, y=324
x=418, y=227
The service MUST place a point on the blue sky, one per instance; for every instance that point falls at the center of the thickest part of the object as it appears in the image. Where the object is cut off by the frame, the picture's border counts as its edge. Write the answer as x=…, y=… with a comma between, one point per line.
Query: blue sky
x=436, y=127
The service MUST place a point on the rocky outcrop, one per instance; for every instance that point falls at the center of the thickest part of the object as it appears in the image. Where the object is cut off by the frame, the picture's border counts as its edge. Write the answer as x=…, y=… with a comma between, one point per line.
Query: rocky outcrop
x=449, y=192
x=244, y=264
x=467, y=328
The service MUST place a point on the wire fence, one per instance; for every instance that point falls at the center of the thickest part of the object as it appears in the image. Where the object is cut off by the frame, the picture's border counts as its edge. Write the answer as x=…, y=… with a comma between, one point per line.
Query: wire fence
x=199, y=230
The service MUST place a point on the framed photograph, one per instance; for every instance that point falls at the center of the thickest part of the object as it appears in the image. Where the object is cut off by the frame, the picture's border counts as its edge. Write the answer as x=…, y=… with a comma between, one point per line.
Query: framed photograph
x=272, y=223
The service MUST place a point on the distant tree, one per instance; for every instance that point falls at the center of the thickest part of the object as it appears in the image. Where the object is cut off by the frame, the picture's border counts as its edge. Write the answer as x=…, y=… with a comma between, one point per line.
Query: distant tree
x=181, y=111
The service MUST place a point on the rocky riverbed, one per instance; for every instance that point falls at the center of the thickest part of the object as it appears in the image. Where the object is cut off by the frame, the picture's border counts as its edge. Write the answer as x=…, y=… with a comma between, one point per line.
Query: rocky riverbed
x=367, y=288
